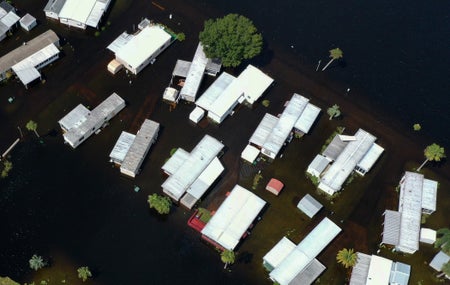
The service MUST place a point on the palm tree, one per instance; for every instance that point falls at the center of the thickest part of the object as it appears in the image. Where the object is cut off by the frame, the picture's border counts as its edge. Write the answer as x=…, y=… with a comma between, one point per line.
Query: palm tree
x=36, y=262
x=335, y=53
x=32, y=126
x=346, y=257
x=334, y=111
x=84, y=273
x=446, y=268
x=433, y=152
x=228, y=257
x=443, y=240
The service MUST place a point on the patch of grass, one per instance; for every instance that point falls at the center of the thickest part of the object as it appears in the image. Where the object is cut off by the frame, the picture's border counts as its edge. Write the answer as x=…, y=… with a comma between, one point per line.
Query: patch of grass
x=204, y=215
x=256, y=179
x=315, y=180
x=339, y=130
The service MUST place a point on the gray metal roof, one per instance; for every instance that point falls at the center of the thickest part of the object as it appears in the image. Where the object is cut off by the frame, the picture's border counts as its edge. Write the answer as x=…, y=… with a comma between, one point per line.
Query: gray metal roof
x=439, y=260
x=308, y=275
x=54, y=6
x=391, y=227
x=144, y=139
x=335, y=148
x=307, y=118
x=214, y=90
x=10, y=19
x=24, y=51
x=361, y=269
x=27, y=20
x=400, y=273
x=195, y=74
x=121, y=147
x=263, y=130
x=181, y=68
x=309, y=205
x=6, y=7
x=74, y=118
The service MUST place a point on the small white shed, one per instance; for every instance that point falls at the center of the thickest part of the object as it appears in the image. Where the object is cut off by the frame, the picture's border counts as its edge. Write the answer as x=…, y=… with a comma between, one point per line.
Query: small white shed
x=427, y=235
x=28, y=22
x=196, y=115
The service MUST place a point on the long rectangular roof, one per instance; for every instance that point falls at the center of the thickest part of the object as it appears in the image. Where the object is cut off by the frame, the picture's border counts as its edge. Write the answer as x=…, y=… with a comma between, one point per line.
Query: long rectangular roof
x=233, y=218
x=97, y=12
x=97, y=115
x=353, y=152
x=143, y=45
x=285, y=123
x=74, y=118
x=379, y=270
x=410, y=207
x=24, y=51
x=54, y=6
x=263, y=129
x=361, y=269
x=279, y=252
x=10, y=19
x=77, y=10
x=140, y=146
x=307, y=118
x=309, y=274
x=122, y=146
x=195, y=73
x=25, y=69
x=200, y=157
x=429, y=194
x=214, y=90
x=370, y=158
x=305, y=252
x=175, y=161
x=206, y=178
x=391, y=227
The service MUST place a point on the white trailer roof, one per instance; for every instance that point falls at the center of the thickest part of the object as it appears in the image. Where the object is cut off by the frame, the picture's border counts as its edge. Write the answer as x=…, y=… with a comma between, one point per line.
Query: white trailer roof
x=77, y=10
x=285, y=123
x=370, y=158
x=233, y=218
x=200, y=157
x=175, y=161
x=361, y=269
x=97, y=12
x=119, y=42
x=379, y=270
x=206, y=179
x=305, y=252
x=263, y=129
x=143, y=45
x=429, y=194
x=410, y=207
x=353, y=152
x=307, y=118
x=122, y=146
x=279, y=252
x=254, y=82
x=25, y=69
x=10, y=19
x=250, y=153
x=195, y=73
x=74, y=118
x=215, y=90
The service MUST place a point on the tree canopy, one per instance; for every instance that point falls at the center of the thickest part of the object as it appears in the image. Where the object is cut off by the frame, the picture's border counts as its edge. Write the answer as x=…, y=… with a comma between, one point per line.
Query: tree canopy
x=443, y=240
x=334, y=111
x=160, y=203
x=32, y=126
x=36, y=262
x=335, y=53
x=228, y=257
x=433, y=152
x=232, y=39
x=346, y=257
x=84, y=273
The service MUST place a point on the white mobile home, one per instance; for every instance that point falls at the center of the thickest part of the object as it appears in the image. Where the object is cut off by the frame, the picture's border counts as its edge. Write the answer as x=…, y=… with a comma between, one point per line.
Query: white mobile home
x=77, y=13
x=233, y=218
x=94, y=120
x=402, y=227
x=300, y=266
x=137, y=51
x=26, y=60
x=185, y=168
x=195, y=75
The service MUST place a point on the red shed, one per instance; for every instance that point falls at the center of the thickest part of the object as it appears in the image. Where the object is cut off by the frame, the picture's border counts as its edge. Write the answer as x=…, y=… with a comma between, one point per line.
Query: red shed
x=275, y=186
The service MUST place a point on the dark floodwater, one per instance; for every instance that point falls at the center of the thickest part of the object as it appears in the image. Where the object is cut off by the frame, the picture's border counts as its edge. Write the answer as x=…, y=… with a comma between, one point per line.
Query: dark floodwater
x=58, y=199
x=395, y=52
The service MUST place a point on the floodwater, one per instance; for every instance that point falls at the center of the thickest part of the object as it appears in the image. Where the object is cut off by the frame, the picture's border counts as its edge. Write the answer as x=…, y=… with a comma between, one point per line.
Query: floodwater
x=75, y=209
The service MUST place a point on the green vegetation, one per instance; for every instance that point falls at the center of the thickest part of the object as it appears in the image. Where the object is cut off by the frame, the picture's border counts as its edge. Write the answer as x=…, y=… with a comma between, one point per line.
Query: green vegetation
x=160, y=203
x=232, y=39
x=256, y=179
x=446, y=268
x=204, y=215
x=417, y=127
x=97, y=33
x=433, y=152
x=443, y=240
x=334, y=111
x=36, y=262
x=7, y=281
x=314, y=179
x=346, y=257
x=266, y=103
x=339, y=130
x=181, y=37
x=7, y=166
x=32, y=126
x=227, y=257
x=173, y=150
x=334, y=54
x=84, y=273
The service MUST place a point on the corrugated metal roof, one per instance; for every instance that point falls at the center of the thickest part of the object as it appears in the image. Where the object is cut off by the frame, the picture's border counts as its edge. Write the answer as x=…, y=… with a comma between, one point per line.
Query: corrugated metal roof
x=263, y=129
x=361, y=269
x=391, y=227
x=309, y=274
x=10, y=19
x=181, y=68
x=54, y=6
x=195, y=75
x=214, y=91
x=307, y=118
x=97, y=12
x=119, y=42
x=74, y=118
x=429, y=195
x=309, y=205
x=121, y=147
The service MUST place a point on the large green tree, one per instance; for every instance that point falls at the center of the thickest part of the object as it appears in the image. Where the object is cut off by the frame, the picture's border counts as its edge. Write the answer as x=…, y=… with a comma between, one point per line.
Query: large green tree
x=228, y=257
x=443, y=240
x=433, y=152
x=232, y=39
x=160, y=203
x=335, y=53
x=334, y=111
x=346, y=257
